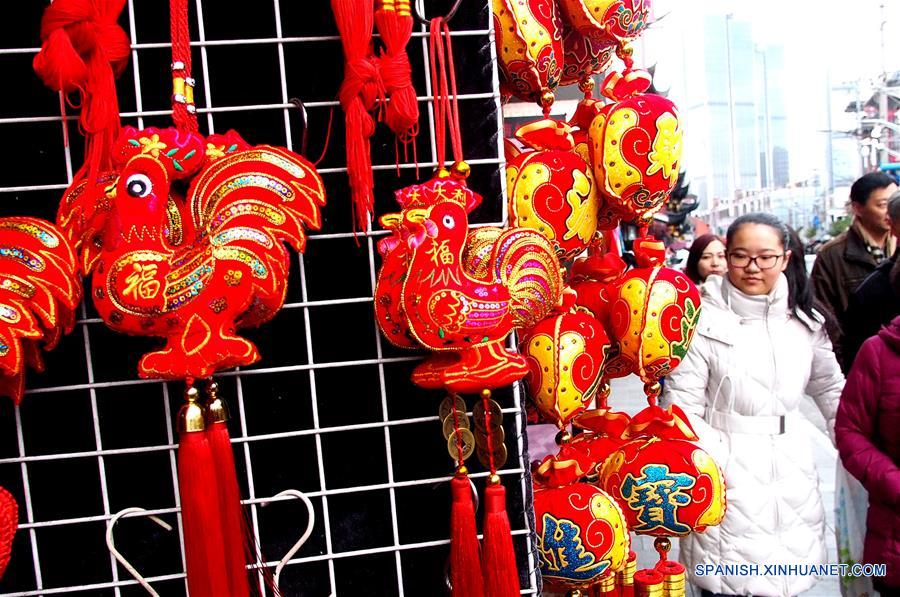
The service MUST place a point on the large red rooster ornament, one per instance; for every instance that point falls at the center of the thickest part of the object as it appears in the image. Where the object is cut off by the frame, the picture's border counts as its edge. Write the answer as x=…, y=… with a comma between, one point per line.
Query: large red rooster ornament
x=184, y=238
x=193, y=272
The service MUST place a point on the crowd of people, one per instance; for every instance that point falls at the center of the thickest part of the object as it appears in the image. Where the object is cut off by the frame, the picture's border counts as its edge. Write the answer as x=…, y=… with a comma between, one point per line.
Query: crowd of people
x=769, y=335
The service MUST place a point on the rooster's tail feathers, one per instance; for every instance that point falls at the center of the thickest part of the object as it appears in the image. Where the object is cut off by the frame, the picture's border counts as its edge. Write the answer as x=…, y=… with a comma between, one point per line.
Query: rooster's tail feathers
x=527, y=265
x=263, y=188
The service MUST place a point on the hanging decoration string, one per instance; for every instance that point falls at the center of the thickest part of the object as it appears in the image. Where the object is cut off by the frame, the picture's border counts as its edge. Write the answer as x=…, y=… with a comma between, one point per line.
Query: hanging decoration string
x=443, y=87
x=184, y=112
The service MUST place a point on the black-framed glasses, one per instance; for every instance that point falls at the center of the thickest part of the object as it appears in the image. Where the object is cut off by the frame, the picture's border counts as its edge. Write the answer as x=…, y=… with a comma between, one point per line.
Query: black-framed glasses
x=762, y=261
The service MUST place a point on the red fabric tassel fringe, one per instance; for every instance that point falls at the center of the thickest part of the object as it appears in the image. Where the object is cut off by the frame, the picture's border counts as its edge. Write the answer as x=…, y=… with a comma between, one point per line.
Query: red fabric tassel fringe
x=200, y=517
x=501, y=577
x=236, y=537
x=465, y=561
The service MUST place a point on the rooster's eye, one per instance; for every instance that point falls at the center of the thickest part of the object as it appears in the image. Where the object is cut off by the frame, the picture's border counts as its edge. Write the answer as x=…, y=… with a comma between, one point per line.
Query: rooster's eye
x=449, y=222
x=138, y=185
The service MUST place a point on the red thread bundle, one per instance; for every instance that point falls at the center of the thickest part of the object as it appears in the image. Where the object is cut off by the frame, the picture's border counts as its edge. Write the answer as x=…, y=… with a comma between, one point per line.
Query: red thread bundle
x=84, y=50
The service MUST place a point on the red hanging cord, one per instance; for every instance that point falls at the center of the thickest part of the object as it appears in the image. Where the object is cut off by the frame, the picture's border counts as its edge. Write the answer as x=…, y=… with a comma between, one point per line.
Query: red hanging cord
x=443, y=88
x=184, y=113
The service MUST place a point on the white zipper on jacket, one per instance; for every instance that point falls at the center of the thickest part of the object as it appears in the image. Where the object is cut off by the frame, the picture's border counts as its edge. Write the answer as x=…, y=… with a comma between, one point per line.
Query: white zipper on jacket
x=785, y=582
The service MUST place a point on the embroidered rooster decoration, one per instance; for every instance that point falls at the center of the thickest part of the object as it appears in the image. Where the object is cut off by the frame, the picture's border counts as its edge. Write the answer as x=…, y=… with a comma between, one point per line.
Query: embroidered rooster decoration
x=464, y=293
x=192, y=267
x=39, y=291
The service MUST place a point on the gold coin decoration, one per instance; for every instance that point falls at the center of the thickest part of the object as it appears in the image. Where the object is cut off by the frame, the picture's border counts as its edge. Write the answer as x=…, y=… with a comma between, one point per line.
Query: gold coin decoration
x=451, y=421
x=499, y=453
x=448, y=404
x=461, y=436
x=497, y=437
x=495, y=412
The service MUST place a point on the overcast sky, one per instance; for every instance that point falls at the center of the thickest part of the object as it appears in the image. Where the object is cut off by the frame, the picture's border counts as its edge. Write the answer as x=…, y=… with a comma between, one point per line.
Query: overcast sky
x=843, y=37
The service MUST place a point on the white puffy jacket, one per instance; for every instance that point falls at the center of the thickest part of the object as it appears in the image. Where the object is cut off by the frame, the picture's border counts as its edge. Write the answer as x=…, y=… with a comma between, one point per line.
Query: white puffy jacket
x=750, y=363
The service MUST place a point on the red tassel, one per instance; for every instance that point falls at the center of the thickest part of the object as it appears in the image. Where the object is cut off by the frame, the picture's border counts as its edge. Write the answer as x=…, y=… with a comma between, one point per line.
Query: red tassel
x=361, y=89
x=200, y=519
x=465, y=562
x=501, y=578
x=236, y=535
x=395, y=24
x=83, y=50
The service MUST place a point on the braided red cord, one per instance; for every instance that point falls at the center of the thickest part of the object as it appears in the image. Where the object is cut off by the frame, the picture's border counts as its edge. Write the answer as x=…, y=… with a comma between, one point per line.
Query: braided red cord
x=184, y=118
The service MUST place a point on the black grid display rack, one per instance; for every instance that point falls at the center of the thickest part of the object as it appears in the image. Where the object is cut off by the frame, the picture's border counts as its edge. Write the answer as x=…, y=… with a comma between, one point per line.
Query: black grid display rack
x=329, y=411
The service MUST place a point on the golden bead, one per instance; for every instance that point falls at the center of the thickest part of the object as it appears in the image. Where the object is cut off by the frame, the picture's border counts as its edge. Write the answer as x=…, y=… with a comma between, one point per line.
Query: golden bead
x=662, y=544
x=586, y=85
x=461, y=169
x=462, y=470
x=624, y=51
x=443, y=173
x=547, y=98
x=485, y=394
x=494, y=479
x=563, y=437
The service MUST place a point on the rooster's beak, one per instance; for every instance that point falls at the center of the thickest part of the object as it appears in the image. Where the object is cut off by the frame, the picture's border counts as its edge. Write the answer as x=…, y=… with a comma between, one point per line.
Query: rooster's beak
x=111, y=190
x=417, y=215
x=390, y=221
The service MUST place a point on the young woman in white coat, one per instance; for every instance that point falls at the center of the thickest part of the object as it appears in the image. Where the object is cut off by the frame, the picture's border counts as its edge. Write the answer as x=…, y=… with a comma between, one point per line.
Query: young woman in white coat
x=758, y=348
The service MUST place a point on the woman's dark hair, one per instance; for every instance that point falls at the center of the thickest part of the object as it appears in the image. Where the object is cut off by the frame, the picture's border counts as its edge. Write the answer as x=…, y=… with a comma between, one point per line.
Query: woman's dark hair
x=695, y=253
x=800, y=296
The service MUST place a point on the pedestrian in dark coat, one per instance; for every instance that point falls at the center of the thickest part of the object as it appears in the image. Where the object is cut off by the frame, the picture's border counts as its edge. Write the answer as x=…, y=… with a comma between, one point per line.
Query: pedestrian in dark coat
x=866, y=431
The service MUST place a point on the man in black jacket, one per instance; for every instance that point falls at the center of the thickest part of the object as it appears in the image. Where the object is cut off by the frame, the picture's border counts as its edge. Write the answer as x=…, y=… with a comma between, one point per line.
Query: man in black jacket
x=845, y=261
x=874, y=303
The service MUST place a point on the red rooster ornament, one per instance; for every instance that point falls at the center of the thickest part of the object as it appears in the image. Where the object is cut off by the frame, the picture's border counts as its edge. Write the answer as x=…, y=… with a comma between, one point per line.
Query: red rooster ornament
x=193, y=271
x=39, y=291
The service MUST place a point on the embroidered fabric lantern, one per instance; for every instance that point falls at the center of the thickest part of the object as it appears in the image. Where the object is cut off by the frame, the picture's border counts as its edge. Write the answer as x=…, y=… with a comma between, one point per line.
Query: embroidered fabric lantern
x=581, y=533
x=565, y=355
x=624, y=20
x=665, y=487
x=636, y=146
x=551, y=189
x=653, y=316
x=529, y=48
x=584, y=55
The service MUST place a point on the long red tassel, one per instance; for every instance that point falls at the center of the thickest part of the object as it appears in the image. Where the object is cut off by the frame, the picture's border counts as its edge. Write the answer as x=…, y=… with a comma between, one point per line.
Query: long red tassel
x=200, y=517
x=501, y=578
x=361, y=89
x=500, y=573
x=465, y=561
x=83, y=50
x=236, y=539
x=394, y=21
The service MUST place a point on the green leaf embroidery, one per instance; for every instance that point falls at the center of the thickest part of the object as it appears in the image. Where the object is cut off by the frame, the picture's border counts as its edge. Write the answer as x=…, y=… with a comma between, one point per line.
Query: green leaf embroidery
x=189, y=154
x=134, y=142
x=232, y=147
x=177, y=165
x=171, y=152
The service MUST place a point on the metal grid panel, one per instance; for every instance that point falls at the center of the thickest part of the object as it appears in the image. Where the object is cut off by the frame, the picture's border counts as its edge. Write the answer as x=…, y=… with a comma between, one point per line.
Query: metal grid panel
x=329, y=411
